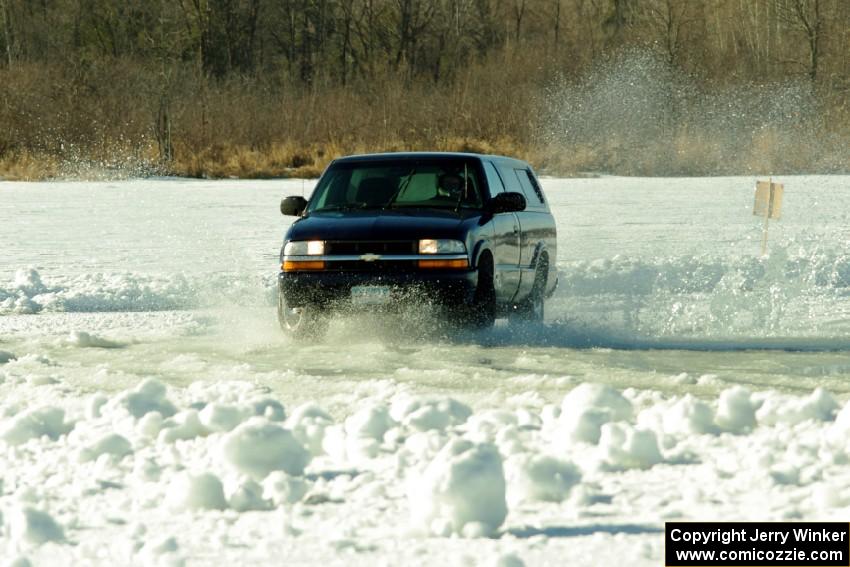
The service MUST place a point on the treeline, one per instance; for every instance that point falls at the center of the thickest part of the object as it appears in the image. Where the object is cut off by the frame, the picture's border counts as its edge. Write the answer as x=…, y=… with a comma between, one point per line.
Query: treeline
x=278, y=87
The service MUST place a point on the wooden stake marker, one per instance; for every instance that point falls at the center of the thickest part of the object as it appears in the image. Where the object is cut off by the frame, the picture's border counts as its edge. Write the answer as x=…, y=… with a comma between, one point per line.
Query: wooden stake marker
x=768, y=204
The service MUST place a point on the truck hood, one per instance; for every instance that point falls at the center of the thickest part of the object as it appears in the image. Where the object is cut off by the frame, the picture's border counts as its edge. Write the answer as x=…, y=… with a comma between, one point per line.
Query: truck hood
x=409, y=224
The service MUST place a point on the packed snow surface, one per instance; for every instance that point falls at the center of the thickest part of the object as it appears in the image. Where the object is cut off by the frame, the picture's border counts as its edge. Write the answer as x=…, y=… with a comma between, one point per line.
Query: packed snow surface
x=151, y=413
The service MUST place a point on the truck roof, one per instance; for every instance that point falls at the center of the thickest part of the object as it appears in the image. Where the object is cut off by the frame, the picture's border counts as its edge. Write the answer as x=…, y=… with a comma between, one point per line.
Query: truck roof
x=415, y=155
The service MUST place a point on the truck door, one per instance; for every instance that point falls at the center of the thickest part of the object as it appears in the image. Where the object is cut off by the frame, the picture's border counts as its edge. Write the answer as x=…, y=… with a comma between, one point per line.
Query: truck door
x=506, y=242
x=533, y=221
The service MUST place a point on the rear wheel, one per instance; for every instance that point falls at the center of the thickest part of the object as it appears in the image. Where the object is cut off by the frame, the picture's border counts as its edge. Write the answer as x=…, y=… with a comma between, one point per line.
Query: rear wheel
x=304, y=322
x=533, y=308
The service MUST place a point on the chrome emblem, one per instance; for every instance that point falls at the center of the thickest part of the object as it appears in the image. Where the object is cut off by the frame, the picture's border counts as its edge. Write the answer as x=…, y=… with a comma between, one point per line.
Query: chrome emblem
x=370, y=257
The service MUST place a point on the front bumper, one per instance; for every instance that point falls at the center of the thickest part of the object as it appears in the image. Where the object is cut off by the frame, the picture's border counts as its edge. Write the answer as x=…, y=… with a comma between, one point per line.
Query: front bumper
x=333, y=288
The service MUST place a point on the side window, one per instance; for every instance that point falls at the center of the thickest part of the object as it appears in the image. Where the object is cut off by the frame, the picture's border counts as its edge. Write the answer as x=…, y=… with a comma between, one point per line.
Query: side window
x=510, y=179
x=536, y=184
x=494, y=182
x=529, y=185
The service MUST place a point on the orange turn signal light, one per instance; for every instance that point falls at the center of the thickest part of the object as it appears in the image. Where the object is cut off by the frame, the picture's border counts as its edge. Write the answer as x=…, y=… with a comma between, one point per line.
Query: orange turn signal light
x=302, y=265
x=445, y=264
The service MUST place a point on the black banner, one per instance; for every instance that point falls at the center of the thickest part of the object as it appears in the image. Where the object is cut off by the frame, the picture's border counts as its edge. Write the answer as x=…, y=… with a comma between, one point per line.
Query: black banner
x=757, y=544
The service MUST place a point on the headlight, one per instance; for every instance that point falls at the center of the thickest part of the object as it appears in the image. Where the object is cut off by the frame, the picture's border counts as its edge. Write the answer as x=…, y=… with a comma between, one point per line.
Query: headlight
x=304, y=248
x=430, y=246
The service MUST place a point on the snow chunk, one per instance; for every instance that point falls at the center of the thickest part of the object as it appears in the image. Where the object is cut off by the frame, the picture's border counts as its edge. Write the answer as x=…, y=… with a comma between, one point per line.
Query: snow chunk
x=147, y=469
x=85, y=340
x=461, y=491
x=369, y=423
x=426, y=414
x=196, y=492
x=581, y=426
x=33, y=424
x=111, y=444
x=247, y=495
x=842, y=420
x=147, y=397
x=150, y=425
x=29, y=282
x=30, y=526
x=308, y=424
x=161, y=552
x=684, y=416
x=625, y=447
x=269, y=408
x=281, y=488
x=361, y=436
x=258, y=447
x=540, y=477
x=508, y=560
x=818, y=406
x=587, y=408
x=485, y=426
x=600, y=397
x=736, y=411
x=184, y=425
x=41, y=380
x=690, y=415
x=6, y=356
x=95, y=405
x=223, y=418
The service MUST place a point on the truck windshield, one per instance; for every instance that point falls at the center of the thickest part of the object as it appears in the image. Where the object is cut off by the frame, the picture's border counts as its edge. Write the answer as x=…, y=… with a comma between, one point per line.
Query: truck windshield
x=450, y=183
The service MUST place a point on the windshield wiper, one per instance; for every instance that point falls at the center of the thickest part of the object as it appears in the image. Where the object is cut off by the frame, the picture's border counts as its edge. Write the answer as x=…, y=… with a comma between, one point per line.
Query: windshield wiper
x=401, y=187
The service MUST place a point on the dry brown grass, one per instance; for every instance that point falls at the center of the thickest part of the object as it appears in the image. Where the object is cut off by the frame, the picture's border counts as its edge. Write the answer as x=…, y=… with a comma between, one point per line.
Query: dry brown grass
x=248, y=128
x=25, y=166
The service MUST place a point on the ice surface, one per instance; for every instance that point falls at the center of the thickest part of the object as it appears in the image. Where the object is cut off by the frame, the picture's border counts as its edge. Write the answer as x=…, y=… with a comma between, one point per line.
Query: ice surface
x=146, y=395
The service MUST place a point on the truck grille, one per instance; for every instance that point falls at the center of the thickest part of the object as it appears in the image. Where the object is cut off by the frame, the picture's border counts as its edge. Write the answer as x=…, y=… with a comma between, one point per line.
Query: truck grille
x=340, y=248
x=379, y=266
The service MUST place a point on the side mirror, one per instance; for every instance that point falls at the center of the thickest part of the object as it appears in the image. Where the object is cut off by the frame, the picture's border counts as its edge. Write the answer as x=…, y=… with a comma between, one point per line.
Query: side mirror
x=510, y=202
x=293, y=206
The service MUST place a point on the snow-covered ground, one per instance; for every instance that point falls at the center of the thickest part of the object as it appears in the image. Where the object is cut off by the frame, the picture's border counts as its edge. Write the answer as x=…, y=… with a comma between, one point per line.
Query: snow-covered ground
x=151, y=412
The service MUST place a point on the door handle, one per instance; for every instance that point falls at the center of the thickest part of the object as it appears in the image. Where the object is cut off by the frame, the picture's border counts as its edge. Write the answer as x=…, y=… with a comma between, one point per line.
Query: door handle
x=516, y=229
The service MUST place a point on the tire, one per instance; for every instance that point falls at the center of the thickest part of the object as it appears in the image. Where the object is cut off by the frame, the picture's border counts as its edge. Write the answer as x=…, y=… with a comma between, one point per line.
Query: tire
x=533, y=308
x=300, y=323
x=482, y=313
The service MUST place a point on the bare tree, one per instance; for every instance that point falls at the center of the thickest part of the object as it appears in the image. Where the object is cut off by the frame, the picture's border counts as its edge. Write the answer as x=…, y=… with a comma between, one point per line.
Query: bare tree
x=805, y=17
x=666, y=20
x=414, y=17
x=591, y=25
x=557, y=23
x=7, y=30
x=519, y=13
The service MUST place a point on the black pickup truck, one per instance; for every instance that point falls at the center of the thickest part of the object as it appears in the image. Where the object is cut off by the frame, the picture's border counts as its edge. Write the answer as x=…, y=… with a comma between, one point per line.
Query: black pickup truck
x=471, y=234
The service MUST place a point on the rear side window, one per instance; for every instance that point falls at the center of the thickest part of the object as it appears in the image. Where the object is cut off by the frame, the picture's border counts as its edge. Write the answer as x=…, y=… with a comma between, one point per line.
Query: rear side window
x=529, y=185
x=494, y=182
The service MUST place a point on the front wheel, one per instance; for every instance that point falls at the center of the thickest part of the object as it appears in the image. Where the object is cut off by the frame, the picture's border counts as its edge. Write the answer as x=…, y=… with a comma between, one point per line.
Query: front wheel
x=482, y=313
x=305, y=322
